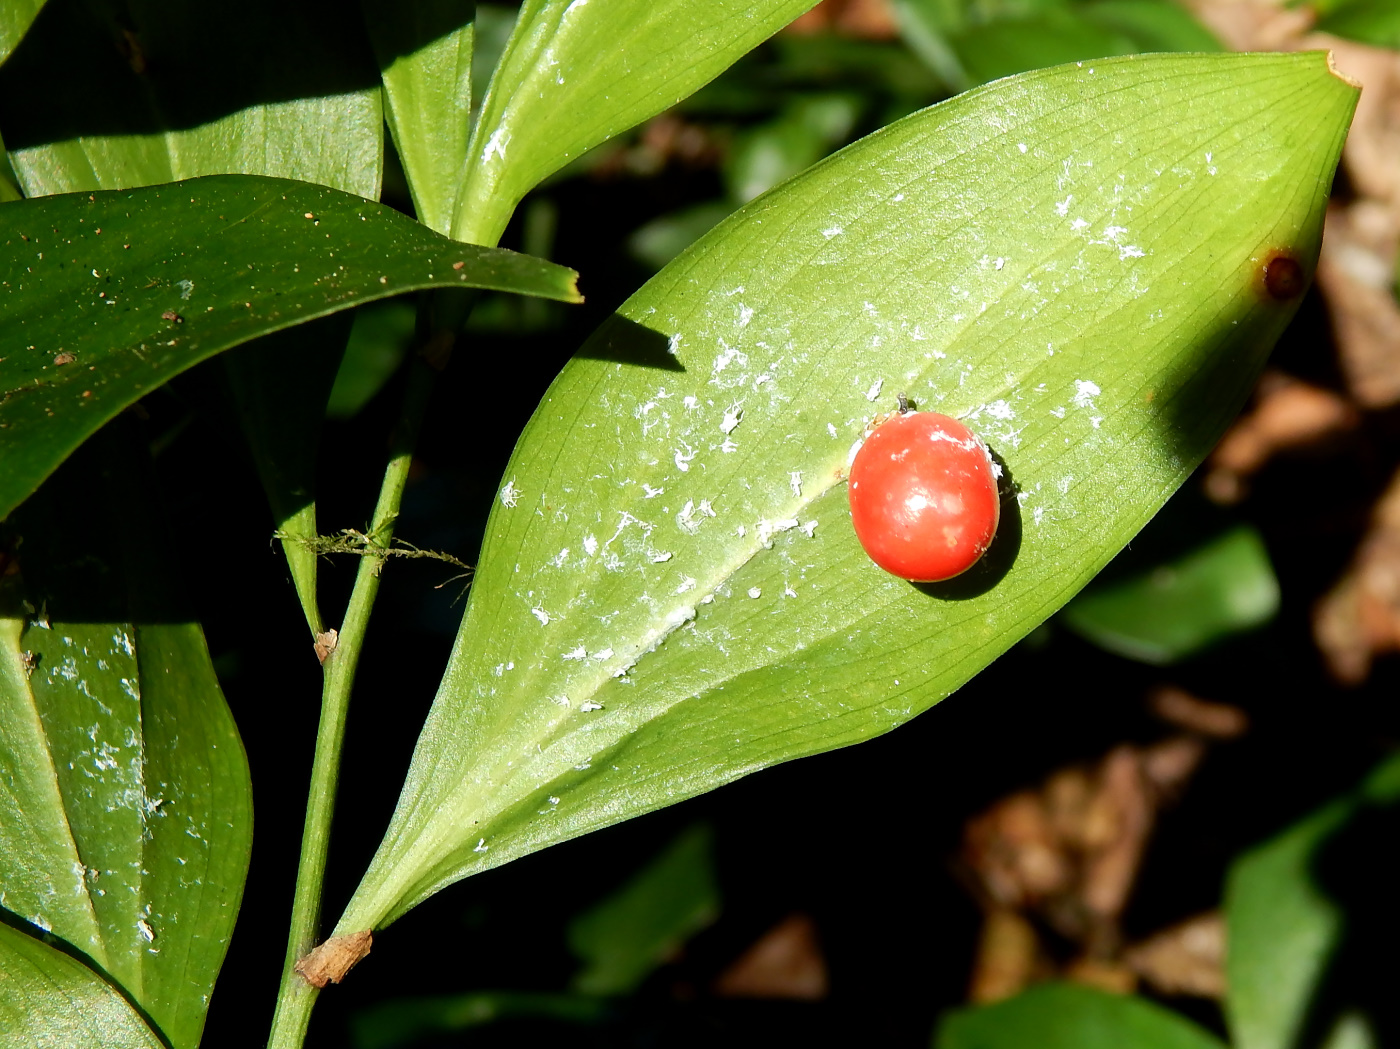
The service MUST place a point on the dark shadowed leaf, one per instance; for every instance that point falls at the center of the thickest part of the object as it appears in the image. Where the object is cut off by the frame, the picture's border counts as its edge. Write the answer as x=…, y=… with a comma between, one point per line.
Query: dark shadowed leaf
x=92, y=321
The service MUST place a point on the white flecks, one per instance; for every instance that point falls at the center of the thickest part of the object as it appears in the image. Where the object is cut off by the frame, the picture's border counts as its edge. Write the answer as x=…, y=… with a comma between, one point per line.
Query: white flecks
x=795, y=483
x=553, y=800
x=832, y=231
x=603, y=654
x=588, y=705
x=686, y=518
x=851, y=455
x=1210, y=168
x=788, y=591
x=733, y=415
x=897, y=197
x=707, y=599
x=673, y=347
x=728, y=446
x=481, y=845
x=740, y=531
x=558, y=559
x=582, y=765
x=687, y=584
x=999, y=263
x=1062, y=206
x=745, y=315
x=999, y=410
x=831, y=429
x=510, y=495
x=1112, y=233
x=648, y=492
x=1085, y=390
x=811, y=529
x=691, y=402
x=660, y=558
x=563, y=701
x=768, y=529
x=1058, y=413
x=755, y=592
x=590, y=544
x=1094, y=421
x=496, y=145
x=579, y=653
x=144, y=928
x=540, y=614
x=1130, y=251
x=1021, y=146
x=707, y=509
x=683, y=458
x=1079, y=224
x=875, y=388
x=1037, y=513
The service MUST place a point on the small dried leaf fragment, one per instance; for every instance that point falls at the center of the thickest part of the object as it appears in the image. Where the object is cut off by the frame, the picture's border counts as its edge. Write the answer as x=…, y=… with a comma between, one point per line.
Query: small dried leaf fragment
x=785, y=963
x=1188, y=958
x=326, y=643
x=1178, y=707
x=329, y=962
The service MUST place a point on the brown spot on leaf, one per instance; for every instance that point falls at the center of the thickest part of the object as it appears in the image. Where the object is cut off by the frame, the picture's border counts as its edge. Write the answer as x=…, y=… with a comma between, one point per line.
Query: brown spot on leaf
x=329, y=962
x=1284, y=278
x=65, y=358
x=172, y=316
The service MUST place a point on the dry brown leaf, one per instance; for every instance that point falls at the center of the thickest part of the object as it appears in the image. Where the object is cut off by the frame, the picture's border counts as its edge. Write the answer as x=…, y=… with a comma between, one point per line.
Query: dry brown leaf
x=859, y=19
x=1100, y=973
x=329, y=962
x=1216, y=720
x=1287, y=414
x=785, y=963
x=1359, y=618
x=1253, y=25
x=1008, y=957
x=1188, y=958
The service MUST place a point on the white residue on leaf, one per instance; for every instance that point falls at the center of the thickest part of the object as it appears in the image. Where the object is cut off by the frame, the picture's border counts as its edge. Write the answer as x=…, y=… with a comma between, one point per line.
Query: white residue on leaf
x=590, y=544
x=831, y=429
x=496, y=145
x=683, y=458
x=1062, y=206
x=687, y=584
x=673, y=347
x=481, y=845
x=707, y=509
x=686, y=518
x=659, y=558
x=832, y=231
x=648, y=492
x=510, y=495
x=588, y=705
x=788, y=591
x=733, y=415
x=558, y=559
x=1085, y=390
x=768, y=529
x=579, y=653
x=811, y=529
x=875, y=388
x=540, y=614
x=795, y=483
x=755, y=592
x=603, y=654
x=144, y=928
x=186, y=288
x=745, y=315
x=691, y=402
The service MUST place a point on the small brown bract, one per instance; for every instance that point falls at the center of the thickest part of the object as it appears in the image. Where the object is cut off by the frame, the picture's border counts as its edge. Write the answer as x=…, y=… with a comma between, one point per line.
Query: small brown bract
x=329, y=962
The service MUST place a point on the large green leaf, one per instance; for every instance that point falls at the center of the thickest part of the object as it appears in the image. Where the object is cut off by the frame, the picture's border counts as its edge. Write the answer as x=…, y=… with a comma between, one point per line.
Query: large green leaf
x=1066, y=1016
x=577, y=72
x=670, y=594
x=125, y=804
x=48, y=999
x=132, y=287
x=1283, y=926
x=425, y=59
x=110, y=94
x=1222, y=587
x=15, y=18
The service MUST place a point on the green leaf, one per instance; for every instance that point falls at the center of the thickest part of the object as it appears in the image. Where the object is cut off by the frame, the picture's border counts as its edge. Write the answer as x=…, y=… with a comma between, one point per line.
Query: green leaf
x=1070, y=260
x=1282, y=927
x=806, y=130
x=425, y=59
x=1014, y=45
x=15, y=18
x=8, y=190
x=280, y=385
x=575, y=73
x=125, y=804
x=180, y=273
x=403, y=1021
x=1068, y=1016
x=1375, y=22
x=1222, y=587
x=379, y=341
x=645, y=922
x=48, y=999
x=103, y=94
x=1152, y=25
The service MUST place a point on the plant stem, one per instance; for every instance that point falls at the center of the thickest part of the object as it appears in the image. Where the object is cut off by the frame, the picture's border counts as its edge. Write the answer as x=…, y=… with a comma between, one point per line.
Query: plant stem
x=296, y=997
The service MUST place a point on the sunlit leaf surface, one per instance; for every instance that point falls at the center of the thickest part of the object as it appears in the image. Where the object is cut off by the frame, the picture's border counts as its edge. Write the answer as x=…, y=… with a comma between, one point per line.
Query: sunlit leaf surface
x=670, y=594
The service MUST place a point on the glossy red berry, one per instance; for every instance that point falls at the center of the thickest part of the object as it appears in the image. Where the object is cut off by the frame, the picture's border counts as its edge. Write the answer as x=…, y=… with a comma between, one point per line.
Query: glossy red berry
x=923, y=497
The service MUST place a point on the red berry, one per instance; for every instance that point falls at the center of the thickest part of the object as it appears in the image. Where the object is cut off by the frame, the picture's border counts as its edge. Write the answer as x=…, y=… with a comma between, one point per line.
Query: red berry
x=923, y=497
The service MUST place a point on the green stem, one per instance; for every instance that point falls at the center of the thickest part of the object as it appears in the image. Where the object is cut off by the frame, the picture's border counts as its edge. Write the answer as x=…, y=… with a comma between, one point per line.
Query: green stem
x=296, y=996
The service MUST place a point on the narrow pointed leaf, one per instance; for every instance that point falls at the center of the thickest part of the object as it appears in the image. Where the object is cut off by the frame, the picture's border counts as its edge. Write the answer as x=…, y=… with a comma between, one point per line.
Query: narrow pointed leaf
x=124, y=787
x=48, y=999
x=670, y=594
x=1283, y=926
x=577, y=72
x=103, y=94
x=425, y=60
x=15, y=18
x=179, y=273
